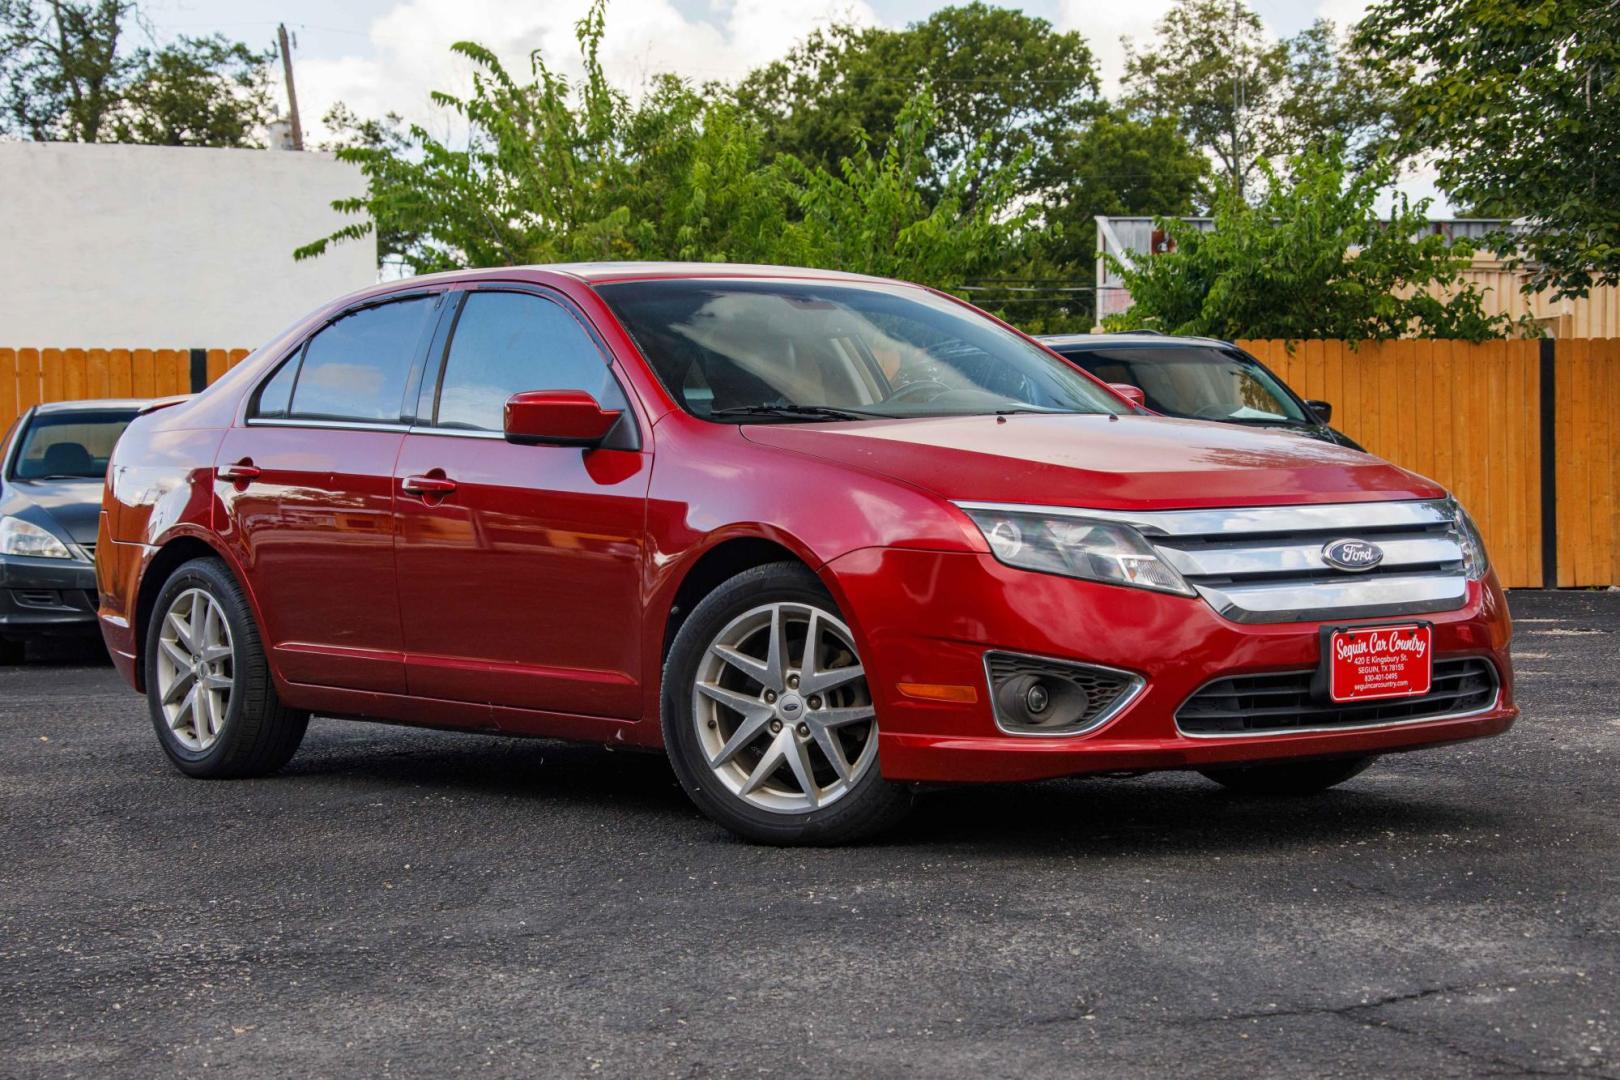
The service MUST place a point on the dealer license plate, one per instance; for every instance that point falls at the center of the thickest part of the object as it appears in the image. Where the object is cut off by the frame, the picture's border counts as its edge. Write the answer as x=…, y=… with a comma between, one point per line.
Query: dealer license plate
x=1369, y=662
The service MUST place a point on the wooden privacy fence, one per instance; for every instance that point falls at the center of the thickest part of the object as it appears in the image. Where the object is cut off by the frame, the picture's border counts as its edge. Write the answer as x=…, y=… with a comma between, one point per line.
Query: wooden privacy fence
x=1526, y=433
x=31, y=376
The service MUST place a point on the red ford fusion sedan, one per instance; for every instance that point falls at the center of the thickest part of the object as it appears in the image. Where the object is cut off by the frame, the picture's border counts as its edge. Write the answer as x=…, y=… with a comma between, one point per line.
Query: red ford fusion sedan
x=822, y=538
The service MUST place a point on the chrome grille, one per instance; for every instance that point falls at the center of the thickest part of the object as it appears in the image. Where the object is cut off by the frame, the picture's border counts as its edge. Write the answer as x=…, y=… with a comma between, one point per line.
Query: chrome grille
x=1264, y=564
x=1260, y=704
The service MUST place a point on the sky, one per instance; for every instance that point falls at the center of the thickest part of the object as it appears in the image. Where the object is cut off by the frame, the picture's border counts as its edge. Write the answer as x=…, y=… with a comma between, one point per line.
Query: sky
x=380, y=56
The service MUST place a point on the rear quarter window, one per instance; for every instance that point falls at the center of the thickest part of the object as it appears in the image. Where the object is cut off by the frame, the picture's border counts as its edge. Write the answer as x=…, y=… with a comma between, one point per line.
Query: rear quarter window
x=356, y=368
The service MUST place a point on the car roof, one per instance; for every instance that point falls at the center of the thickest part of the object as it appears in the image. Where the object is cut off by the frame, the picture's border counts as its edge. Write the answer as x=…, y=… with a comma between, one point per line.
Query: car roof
x=592, y=274
x=1130, y=340
x=596, y=272
x=93, y=405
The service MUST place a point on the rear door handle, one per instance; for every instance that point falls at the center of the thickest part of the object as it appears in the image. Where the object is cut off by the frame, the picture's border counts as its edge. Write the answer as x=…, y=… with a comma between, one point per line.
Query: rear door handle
x=241, y=472
x=427, y=485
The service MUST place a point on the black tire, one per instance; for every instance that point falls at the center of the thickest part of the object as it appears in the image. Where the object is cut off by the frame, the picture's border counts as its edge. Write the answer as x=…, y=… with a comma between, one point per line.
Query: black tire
x=12, y=652
x=868, y=807
x=258, y=734
x=1289, y=778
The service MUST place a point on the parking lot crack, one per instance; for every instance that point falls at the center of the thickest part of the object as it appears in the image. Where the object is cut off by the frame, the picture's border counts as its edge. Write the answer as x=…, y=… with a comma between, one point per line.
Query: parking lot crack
x=1366, y=1013
x=1347, y=1010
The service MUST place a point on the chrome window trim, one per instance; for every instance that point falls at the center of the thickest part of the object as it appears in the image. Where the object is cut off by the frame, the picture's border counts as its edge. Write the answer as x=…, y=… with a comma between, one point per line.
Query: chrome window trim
x=1247, y=520
x=1133, y=691
x=329, y=425
x=1496, y=703
x=455, y=433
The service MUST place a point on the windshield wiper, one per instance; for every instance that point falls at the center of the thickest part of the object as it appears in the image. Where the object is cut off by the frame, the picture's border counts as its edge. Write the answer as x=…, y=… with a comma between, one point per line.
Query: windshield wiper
x=1014, y=410
x=794, y=412
x=1254, y=421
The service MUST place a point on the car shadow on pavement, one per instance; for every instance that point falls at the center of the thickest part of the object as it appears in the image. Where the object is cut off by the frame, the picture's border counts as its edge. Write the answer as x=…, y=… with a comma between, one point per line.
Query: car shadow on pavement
x=1172, y=813
x=1164, y=813
x=540, y=771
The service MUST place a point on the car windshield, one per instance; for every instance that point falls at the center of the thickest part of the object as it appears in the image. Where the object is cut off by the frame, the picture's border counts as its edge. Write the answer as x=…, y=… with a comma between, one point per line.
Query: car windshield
x=1198, y=382
x=790, y=351
x=69, y=445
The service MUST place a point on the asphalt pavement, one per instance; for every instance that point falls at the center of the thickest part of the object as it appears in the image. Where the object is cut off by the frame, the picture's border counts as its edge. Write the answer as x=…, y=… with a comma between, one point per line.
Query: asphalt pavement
x=407, y=903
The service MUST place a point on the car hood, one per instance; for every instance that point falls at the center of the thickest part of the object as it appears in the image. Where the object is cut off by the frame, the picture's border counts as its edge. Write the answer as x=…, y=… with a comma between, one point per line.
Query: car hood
x=71, y=507
x=1108, y=463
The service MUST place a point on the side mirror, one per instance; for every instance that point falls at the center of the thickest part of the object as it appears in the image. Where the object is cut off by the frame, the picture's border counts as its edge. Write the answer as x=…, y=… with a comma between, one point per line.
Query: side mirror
x=1132, y=394
x=1323, y=410
x=557, y=418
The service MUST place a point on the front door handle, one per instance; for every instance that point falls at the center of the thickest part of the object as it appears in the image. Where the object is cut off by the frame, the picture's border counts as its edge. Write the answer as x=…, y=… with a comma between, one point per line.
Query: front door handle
x=241, y=472
x=427, y=486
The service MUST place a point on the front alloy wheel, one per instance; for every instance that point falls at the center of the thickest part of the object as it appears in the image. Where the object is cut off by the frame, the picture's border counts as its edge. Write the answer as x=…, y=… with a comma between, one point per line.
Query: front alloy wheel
x=782, y=709
x=768, y=717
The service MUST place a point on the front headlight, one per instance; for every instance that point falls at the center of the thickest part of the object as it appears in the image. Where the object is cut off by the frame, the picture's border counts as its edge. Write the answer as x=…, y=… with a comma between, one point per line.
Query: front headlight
x=19, y=537
x=1076, y=547
x=1475, y=562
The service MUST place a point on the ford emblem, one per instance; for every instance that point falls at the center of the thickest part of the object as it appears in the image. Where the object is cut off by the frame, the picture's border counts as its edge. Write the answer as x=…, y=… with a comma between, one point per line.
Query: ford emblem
x=1352, y=555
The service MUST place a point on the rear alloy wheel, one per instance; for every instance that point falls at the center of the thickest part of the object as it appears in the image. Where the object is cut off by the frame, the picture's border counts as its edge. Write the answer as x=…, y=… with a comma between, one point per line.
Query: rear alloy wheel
x=1289, y=777
x=195, y=669
x=208, y=684
x=771, y=724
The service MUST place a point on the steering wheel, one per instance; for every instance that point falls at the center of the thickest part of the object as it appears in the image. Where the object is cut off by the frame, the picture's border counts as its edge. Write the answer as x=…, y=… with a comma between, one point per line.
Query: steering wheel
x=913, y=389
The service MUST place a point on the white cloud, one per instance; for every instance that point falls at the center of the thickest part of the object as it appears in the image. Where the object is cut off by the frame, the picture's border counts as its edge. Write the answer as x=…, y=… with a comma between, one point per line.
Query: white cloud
x=1344, y=13
x=410, y=46
x=1104, y=22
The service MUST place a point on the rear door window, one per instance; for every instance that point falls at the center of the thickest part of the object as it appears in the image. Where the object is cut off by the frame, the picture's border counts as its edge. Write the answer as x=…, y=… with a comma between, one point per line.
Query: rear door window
x=356, y=368
x=509, y=342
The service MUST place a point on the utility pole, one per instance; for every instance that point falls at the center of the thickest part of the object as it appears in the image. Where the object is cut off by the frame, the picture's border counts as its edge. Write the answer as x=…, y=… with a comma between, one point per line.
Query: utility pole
x=1237, y=108
x=292, y=91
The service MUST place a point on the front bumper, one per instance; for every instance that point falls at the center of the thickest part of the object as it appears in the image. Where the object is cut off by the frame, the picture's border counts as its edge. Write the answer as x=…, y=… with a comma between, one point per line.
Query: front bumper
x=46, y=597
x=928, y=617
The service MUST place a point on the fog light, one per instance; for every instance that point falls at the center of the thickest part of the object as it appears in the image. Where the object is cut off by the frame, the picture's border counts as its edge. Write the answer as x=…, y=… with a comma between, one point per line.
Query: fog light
x=1036, y=699
x=1032, y=695
x=1041, y=701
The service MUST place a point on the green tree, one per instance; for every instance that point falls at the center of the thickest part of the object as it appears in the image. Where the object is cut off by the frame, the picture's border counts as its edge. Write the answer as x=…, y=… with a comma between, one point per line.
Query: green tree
x=1312, y=259
x=556, y=171
x=1006, y=87
x=1119, y=165
x=552, y=171
x=382, y=145
x=196, y=92
x=872, y=215
x=60, y=69
x=1520, y=102
x=1116, y=166
x=1244, y=97
x=65, y=76
x=1334, y=94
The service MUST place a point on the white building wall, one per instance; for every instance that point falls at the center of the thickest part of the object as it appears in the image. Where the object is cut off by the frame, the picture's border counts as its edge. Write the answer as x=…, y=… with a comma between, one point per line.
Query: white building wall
x=107, y=246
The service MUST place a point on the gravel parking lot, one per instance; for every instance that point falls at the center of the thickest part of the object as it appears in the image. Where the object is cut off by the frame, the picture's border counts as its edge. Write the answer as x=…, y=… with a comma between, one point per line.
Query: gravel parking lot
x=402, y=902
